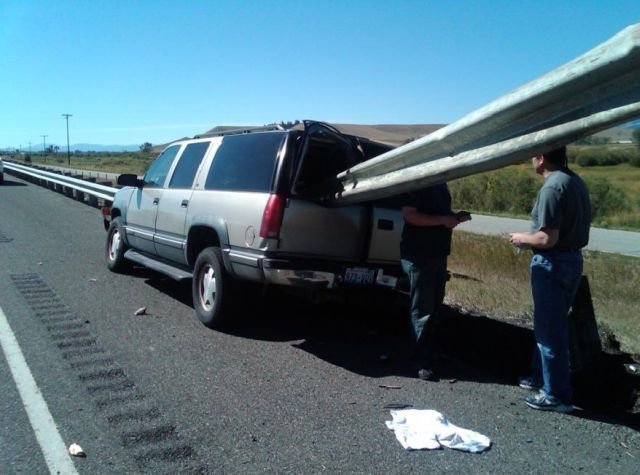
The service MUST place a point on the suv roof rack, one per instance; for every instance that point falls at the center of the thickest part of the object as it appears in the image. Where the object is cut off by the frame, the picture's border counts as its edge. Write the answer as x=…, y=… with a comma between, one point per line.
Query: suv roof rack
x=242, y=130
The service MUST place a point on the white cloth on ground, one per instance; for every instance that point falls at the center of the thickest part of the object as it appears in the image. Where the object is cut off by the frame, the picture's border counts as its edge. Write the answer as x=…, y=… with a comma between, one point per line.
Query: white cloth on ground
x=419, y=429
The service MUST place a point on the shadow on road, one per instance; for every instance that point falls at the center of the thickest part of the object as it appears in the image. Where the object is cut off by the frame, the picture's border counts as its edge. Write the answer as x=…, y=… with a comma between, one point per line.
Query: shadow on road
x=12, y=183
x=371, y=340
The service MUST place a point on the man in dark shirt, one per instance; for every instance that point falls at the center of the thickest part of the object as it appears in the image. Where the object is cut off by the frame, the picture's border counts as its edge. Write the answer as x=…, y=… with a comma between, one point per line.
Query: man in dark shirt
x=425, y=245
x=561, y=218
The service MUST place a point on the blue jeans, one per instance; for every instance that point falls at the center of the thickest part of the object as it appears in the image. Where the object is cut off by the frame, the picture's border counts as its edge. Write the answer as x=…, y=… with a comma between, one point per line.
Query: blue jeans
x=428, y=279
x=555, y=276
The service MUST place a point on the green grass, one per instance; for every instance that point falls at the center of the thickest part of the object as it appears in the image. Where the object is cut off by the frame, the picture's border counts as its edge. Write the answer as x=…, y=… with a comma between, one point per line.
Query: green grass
x=489, y=278
x=624, y=177
x=511, y=191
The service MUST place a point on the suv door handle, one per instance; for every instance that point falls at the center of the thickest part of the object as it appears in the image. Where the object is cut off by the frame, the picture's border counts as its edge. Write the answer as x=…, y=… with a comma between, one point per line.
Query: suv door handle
x=184, y=203
x=156, y=201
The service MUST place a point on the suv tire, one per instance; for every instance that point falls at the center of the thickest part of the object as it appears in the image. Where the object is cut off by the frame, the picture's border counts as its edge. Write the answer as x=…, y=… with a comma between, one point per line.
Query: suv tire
x=115, y=248
x=212, y=288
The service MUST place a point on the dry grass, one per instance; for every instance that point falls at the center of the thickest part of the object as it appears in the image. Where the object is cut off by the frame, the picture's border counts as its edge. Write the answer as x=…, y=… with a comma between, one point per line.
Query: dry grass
x=111, y=163
x=490, y=278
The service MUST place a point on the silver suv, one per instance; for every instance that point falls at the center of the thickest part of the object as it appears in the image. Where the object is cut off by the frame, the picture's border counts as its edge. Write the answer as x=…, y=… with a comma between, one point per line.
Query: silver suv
x=252, y=206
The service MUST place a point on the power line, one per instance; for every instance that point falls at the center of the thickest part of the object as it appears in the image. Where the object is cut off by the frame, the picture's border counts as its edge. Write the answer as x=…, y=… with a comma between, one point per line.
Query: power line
x=66, y=116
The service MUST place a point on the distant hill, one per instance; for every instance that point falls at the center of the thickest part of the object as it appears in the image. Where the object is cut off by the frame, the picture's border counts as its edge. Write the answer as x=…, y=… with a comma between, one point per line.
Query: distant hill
x=392, y=134
x=88, y=147
x=398, y=134
x=621, y=133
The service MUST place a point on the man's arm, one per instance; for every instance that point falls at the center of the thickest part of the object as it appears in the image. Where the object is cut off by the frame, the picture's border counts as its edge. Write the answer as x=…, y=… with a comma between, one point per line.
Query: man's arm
x=543, y=239
x=417, y=218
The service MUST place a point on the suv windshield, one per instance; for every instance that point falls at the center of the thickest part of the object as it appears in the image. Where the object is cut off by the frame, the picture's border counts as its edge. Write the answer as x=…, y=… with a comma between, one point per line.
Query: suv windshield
x=158, y=170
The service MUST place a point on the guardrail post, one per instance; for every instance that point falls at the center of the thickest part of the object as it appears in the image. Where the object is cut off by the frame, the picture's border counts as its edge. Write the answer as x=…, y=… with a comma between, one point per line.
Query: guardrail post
x=79, y=195
x=68, y=191
x=93, y=200
x=585, y=347
x=105, y=183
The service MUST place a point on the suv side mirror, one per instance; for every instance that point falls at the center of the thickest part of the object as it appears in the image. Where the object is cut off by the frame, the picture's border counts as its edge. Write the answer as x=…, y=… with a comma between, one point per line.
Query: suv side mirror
x=129, y=179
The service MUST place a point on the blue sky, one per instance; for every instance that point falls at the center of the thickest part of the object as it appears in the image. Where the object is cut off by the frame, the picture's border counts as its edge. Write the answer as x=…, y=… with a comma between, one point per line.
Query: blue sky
x=140, y=71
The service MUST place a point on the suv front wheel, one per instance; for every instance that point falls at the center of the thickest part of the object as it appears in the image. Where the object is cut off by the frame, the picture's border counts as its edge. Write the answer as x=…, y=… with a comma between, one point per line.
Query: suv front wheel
x=211, y=288
x=115, y=248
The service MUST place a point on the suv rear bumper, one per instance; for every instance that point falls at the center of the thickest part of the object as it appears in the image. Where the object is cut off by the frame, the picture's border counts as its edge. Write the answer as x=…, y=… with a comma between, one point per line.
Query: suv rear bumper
x=327, y=275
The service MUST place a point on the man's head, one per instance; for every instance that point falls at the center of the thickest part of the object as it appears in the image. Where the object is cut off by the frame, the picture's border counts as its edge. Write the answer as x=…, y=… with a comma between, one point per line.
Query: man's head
x=557, y=156
x=553, y=160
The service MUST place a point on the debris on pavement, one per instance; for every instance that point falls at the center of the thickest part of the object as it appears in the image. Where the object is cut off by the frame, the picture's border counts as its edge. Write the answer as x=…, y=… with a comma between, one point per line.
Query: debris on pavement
x=390, y=386
x=141, y=311
x=397, y=405
x=418, y=429
x=76, y=451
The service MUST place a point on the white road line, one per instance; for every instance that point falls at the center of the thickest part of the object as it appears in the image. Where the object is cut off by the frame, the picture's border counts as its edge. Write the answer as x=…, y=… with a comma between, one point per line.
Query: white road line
x=51, y=443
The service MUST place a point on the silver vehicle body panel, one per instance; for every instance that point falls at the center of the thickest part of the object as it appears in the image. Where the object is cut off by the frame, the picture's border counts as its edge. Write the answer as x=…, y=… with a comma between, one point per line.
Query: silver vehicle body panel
x=141, y=215
x=170, y=227
x=316, y=243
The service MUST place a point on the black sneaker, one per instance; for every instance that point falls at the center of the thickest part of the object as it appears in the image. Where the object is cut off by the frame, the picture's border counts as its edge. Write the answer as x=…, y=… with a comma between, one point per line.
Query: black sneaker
x=544, y=402
x=426, y=374
x=529, y=382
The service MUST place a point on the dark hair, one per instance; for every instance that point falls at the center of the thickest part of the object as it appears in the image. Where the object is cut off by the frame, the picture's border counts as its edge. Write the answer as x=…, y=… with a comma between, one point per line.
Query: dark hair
x=557, y=156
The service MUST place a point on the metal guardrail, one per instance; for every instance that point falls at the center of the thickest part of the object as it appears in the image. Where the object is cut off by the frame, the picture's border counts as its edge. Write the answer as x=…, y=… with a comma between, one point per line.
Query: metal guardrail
x=72, y=185
x=595, y=91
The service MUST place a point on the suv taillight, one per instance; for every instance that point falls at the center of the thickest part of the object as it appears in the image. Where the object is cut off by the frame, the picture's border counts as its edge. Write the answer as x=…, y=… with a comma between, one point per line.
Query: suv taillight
x=272, y=217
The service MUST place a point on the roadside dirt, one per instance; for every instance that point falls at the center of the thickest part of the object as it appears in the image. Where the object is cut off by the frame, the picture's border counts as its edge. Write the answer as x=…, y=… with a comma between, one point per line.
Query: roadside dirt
x=504, y=348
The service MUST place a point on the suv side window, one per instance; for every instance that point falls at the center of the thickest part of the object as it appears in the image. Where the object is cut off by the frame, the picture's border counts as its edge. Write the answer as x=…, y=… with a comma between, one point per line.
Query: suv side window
x=245, y=162
x=157, y=171
x=188, y=165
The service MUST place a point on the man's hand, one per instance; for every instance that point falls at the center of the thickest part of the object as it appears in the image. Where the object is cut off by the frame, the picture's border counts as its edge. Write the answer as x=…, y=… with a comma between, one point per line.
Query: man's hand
x=463, y=216
x=449, y=222
x=543, y=239
x=518, y=239
x=413, y=216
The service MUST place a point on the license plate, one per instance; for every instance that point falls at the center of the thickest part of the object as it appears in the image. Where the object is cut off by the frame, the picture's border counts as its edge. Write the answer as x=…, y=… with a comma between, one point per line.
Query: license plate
x=359, y=275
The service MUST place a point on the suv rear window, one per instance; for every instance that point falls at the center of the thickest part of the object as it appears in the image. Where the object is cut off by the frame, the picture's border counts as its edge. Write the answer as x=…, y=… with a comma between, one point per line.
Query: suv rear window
x=245, y=162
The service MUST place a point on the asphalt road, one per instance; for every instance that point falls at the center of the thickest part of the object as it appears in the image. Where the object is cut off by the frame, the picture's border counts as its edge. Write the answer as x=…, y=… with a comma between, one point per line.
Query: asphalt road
x=292, y=388
x=604, y=240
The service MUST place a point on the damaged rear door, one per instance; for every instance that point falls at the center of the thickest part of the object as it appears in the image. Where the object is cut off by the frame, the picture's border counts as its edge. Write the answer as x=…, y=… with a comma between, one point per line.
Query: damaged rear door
x=314, y=229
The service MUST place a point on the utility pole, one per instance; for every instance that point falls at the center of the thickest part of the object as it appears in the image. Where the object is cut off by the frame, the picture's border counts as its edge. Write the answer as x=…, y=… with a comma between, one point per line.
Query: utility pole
x=66, y=116
x=44, y=147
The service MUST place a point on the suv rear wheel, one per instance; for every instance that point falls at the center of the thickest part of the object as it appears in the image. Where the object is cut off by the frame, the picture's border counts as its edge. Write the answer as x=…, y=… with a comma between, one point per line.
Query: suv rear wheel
x=211, y=288
x=115, y=248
